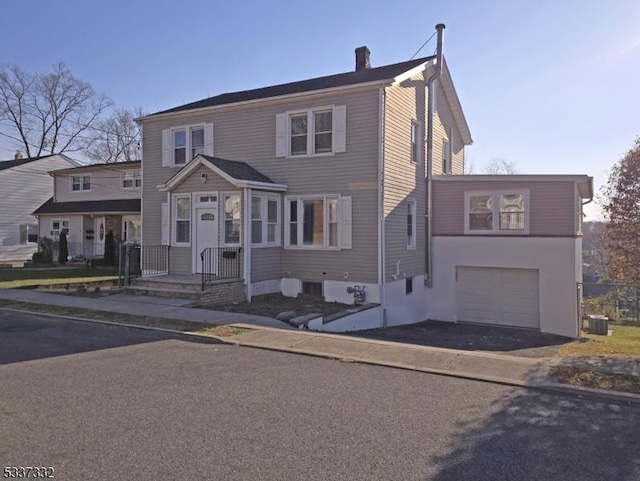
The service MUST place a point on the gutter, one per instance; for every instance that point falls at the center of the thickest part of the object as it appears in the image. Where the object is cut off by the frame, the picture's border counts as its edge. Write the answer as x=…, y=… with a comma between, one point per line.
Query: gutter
x=431, y=113
x=381, y=226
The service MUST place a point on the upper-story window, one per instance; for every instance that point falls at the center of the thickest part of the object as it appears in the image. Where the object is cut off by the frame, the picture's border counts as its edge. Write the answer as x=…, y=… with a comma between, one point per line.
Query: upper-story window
x=181, y=144
x=317, y=131
x=80, y=183
x=503, y=212
x=131, y=180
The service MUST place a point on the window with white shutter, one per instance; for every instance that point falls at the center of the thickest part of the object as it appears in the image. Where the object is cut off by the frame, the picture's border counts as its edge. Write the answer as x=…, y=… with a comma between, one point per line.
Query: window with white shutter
x=311, y=132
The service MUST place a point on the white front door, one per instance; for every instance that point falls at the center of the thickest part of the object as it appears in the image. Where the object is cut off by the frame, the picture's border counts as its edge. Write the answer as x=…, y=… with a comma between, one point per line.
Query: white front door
x=206, y=236
x=99, y=233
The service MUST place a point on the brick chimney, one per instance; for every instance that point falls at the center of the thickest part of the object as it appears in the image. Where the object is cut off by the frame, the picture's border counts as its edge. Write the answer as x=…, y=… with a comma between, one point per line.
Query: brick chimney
x=18, y=155
x=362, y=58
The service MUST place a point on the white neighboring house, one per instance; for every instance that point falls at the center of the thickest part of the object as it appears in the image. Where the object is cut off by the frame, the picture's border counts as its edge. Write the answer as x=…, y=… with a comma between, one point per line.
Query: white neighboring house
x=25, y=185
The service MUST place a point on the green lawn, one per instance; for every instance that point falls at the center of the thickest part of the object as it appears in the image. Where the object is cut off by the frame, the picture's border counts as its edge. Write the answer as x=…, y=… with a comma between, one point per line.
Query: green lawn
x=625, y=341
x=21, y=277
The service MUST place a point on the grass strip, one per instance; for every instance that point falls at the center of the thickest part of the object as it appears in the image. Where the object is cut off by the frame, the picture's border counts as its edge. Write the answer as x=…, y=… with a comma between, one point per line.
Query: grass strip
x=596, y=380
x=176, y=324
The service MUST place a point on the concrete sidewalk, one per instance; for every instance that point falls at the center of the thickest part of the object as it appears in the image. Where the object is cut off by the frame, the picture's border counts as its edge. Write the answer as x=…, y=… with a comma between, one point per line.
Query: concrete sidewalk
x=268, y=333
x=140, y=306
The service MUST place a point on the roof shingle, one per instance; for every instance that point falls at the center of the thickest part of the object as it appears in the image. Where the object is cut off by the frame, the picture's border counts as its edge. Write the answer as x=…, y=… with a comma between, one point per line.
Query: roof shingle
x=92, y=206
x=330, y=81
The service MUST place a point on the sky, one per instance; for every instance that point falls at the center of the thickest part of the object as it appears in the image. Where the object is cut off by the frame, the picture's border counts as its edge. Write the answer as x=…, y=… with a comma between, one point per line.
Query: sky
x=550, y=85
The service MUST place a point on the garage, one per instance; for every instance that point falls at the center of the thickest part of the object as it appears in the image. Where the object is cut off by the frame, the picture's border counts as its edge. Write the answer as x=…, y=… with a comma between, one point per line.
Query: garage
x=508, y=297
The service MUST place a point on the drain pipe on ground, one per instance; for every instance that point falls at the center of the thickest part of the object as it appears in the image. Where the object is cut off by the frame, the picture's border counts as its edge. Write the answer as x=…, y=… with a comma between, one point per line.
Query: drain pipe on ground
x=431, y=113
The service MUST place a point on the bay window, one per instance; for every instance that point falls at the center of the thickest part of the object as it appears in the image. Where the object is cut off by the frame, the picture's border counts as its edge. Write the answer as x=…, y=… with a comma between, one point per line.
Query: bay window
x=265, y=220
x=182, y=216
x=231, y=206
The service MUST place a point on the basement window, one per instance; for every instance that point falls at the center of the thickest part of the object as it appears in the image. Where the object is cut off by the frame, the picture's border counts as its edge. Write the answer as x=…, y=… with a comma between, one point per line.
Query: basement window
x=408, y=285
x=312, y=288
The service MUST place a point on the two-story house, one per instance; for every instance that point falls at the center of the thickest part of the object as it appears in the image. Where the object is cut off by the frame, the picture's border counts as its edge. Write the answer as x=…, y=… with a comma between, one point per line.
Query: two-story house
x=340, y=183
x=91, y=200
x=25, y=184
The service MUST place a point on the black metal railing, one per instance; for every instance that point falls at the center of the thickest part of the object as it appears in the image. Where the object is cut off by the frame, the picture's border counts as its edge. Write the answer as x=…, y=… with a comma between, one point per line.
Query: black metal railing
x=138, y=261
x=220, y=263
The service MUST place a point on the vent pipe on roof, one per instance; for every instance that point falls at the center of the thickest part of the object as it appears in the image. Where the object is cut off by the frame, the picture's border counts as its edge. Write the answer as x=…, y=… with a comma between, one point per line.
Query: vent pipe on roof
x=18, y=155
x=431, y=113
x=363, y=60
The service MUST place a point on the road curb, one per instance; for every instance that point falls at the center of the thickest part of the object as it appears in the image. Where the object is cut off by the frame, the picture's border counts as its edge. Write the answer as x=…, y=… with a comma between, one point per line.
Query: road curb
x=601, y=394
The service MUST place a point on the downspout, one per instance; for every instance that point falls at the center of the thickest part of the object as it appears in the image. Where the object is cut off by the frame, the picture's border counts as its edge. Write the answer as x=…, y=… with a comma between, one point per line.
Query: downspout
x=247, y=241
x=381, y=227
x=431, y=113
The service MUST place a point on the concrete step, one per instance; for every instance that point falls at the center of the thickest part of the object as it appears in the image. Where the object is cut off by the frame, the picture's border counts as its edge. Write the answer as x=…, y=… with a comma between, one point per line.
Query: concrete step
x=148, y=282
x=165, y=292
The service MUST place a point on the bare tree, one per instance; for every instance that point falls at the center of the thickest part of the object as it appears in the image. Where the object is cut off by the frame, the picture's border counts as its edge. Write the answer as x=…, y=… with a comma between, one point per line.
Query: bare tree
x=500, y=167
x=117, y=138
x=622, y=210
x=47, y=113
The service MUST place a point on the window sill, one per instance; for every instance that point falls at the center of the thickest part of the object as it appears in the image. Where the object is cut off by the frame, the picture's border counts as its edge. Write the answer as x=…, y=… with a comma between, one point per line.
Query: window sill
x=181, y=244
x=498, y=233
x=264, y=246
x=303, y=156
x=411, y=248
x=311, y=248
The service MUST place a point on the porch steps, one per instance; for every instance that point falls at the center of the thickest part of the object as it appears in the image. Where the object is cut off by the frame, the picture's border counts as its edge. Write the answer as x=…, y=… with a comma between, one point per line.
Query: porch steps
x=190, y=288
x=166, y=291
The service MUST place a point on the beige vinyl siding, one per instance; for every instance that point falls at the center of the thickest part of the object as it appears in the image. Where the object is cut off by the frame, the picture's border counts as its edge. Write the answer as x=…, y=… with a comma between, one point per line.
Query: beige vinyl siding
x=444, y=127
x=403, y=179
x=106, y=184
x=193, y=183
x=248, y=134
x=266, y=263
x=552, y=208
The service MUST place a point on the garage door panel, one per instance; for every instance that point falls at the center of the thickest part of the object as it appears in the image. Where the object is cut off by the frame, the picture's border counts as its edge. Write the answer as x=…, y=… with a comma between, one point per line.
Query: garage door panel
x=498, y=296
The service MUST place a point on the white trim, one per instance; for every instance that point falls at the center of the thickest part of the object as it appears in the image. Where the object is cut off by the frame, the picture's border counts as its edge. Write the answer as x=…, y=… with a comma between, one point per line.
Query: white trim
x=174, y=217
x=82, y=189
x=181, y=175
x=247, y=243
x=300, y=222
x=275, y=99
x=264, y=218
x=223, y=219
x=495, y=208
x=311, y=131
x=123, y=177
x=454, y=103
x=415, y=70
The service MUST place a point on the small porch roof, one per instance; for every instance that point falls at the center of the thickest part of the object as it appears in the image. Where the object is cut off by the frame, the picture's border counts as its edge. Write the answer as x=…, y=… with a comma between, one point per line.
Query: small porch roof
x=116, y=206
x=239, y=174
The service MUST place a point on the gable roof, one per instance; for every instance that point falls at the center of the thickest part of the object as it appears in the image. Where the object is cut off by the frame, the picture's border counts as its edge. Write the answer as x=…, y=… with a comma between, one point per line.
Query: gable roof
x=103, y=165
x=239, y=174
x=378, y=74
x=9, y=164
x=92, y=206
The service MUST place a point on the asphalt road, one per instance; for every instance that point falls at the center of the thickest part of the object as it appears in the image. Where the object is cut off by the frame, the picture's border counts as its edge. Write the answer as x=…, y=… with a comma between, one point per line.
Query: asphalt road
x=98, y=402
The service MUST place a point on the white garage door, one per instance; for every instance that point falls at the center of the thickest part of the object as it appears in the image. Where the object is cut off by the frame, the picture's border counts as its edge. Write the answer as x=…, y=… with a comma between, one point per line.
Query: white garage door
x=507, y=297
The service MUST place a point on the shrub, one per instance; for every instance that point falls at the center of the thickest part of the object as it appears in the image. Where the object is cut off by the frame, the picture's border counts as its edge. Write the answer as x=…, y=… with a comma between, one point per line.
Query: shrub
x=63, y=249
x=45, y=252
